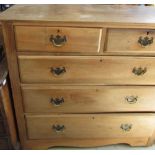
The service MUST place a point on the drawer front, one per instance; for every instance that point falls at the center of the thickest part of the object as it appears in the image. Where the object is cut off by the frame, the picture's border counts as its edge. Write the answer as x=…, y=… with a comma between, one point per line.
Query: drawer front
x=86, y=99
x=59, y=39
x=90, y=126
x=131, y=41
x=87, y=70
x=2, y=128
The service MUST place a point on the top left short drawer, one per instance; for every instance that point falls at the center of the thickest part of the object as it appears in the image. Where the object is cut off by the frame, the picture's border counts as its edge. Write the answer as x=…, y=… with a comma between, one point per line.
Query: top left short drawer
x=60, y=39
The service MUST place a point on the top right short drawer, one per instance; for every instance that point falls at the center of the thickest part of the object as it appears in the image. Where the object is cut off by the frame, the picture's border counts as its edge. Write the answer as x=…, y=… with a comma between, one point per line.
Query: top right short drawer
x=132, y=41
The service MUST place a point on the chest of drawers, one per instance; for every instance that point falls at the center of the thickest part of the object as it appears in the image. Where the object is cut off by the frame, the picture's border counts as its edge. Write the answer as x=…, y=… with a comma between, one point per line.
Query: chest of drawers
x=82, y=75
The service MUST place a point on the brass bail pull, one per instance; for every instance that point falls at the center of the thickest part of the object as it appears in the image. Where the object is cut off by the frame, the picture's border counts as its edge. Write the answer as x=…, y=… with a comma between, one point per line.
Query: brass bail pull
x=145, y=41
x=139, y=71
x=126, y=127
x=131, y=99
x=58, y=128
x=57, y=101
x=58, y=41
x=58, y=70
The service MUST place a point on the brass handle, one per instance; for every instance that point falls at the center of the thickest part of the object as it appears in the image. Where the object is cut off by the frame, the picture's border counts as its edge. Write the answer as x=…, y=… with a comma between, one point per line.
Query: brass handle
x=131, y=99
x=145, y=41
x=57, y=101
x=58, y=40
x=58, y=70
x=139, y=71
x=58, y=128
x=126, y=127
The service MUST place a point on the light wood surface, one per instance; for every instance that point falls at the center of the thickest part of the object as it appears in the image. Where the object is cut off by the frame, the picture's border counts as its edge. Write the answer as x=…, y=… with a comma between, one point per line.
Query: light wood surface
x=90, y=126
x=78, y=40
x=86, y=70
x=88, y=99
x=85, y=143
x=81, y=13
x=8, y=35
x=8, y=129
x=126, y=40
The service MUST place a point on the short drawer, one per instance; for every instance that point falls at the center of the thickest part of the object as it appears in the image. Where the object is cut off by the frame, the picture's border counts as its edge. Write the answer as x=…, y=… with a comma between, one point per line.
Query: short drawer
x=59, y=39
x=87, y=70
x=131, y=41
x=90, y=126
x=86, y=99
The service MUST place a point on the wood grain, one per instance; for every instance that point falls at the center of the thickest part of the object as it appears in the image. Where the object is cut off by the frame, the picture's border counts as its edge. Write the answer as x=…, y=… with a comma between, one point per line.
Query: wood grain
x=79, y=40
x=85, y=142
x=126, y=41
x=8, y=34
x=90, y=126
x=81, y=13
x=87, y=99
x=87, y=70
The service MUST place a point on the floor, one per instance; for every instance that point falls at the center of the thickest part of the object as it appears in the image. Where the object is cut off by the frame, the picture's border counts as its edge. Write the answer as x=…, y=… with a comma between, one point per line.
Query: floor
x=110, y=147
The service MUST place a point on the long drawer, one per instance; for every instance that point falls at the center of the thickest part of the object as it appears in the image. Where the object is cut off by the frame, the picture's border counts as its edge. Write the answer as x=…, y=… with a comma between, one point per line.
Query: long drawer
x=87, y=70
x=87, y=99
x=90, y=126
x=59, y=39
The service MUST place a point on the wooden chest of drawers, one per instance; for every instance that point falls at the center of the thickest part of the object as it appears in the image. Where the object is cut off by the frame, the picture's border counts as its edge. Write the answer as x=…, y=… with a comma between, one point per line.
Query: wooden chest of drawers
x=82, y=75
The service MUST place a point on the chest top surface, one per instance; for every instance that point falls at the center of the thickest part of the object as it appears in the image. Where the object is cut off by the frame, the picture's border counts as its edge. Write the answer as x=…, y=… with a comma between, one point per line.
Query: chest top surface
x=81, y=13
